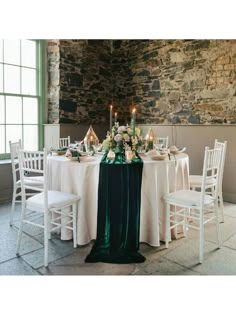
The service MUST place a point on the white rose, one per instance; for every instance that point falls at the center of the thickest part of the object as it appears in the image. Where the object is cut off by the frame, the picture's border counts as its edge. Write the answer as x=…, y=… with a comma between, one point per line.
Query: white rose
x=118, y=137
x=121, y=129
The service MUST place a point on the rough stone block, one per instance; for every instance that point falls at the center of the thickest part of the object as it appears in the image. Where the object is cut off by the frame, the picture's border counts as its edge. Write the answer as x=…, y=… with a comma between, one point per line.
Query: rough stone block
x=229, y=67
x=194, y=119
x=174, y=96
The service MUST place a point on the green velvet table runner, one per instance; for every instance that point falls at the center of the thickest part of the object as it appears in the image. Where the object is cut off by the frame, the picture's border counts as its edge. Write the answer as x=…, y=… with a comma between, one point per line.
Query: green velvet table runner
x=118, y=218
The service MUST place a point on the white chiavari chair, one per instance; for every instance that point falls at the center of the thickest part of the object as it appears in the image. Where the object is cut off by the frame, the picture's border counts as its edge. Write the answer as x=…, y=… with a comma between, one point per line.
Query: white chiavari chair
x=199, y=201
x=35, y=181
x=196, y=180
x=51, y=204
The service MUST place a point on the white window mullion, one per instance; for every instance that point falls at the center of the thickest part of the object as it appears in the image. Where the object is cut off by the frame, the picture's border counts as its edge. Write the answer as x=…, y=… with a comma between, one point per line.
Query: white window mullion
x=20, y=90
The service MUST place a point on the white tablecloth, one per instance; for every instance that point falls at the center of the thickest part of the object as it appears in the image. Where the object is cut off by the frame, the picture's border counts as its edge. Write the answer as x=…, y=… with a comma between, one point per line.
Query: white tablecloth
x=158, y=178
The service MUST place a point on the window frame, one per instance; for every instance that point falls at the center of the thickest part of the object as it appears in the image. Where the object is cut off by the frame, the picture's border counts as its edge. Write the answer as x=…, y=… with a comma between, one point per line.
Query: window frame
x=40, y=94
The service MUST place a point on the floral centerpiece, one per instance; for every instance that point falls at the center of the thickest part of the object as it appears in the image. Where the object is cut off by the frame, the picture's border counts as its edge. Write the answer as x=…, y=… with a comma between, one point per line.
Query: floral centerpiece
x=123, y=138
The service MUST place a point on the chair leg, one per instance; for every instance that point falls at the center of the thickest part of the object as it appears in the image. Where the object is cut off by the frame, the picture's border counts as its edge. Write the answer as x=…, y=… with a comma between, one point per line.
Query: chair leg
x=185, y=222
x=49, y=224
x=13, y=205
x=20, y=228
x=45, y=239
x=176, y=227
x=190, y=209
x=217, y=225
x=74, y=209
x=221, y=207
x=201, y=239
x=167, y=227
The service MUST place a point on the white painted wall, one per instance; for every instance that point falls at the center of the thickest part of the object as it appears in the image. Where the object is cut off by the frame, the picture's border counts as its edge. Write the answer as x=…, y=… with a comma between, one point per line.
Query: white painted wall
x=195, y=138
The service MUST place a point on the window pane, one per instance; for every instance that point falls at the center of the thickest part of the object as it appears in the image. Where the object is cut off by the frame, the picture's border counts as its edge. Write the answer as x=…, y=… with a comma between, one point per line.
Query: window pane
x=13, y=133
x=2, y=111
x=1, y=78
x=30, y=110
x=1, y=48
x=13, y=110
x=12, y=79
x=28, y=81
x=2, y=139
x=12, y=52
x=31, y=137
x=28, y=53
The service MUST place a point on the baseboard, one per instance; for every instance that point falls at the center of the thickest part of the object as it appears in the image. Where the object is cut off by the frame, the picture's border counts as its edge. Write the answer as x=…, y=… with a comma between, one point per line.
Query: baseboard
x=5, y=195
x=230, y=197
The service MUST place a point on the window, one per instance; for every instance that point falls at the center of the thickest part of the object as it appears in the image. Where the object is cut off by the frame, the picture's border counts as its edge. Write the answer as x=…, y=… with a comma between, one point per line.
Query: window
x=21, y=93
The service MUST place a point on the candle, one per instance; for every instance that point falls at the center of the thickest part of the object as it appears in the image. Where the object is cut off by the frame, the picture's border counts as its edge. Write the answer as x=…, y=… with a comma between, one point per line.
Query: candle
x=134, y=118
x=91, y=143
x=150, y=146
x=111, y=107
x=115, y=117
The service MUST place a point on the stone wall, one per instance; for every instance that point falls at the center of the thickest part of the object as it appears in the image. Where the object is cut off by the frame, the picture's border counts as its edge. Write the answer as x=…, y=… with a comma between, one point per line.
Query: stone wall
x=53, y=54
x=80, y=86
x=179, y=81
x=85, y=81
x=169, y=81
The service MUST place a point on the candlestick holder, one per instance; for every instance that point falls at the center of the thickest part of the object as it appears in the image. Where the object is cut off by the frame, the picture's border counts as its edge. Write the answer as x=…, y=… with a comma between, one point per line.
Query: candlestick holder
x=134, y=148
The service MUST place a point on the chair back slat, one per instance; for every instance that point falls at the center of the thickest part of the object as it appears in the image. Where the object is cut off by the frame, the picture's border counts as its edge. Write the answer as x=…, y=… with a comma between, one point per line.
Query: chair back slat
x=64, y=142
x=223, y=147
x=14, y=147
x=163, y=141
x=35, y=162
x=211, y=171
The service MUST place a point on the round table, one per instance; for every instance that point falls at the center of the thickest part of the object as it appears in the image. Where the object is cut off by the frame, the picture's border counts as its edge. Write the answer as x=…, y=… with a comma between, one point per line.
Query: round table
x=158, y=178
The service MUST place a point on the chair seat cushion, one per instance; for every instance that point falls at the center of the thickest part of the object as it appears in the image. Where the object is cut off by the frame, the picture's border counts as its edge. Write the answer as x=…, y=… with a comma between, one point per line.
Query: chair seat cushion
x=196, y=180
x=190, y=198
x=56, y=199
x=32, y=181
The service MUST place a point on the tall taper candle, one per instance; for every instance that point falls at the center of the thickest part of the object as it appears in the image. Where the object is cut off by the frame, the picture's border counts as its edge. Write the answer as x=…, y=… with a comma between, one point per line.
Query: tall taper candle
x=111, y=106
x=134, y=118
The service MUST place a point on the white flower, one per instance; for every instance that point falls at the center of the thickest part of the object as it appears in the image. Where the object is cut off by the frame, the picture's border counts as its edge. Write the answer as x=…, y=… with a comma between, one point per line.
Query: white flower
x=137, y=131
x=126, y=137
x=134, y=141
x=121, y=129
x=130, y=131
x=105, y=144
x=118, y=137
x=127, y=147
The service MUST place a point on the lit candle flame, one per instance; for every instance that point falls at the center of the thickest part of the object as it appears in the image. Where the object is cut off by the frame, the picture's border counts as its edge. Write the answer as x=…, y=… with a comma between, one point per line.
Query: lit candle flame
x=134, y=111
x=111, y=106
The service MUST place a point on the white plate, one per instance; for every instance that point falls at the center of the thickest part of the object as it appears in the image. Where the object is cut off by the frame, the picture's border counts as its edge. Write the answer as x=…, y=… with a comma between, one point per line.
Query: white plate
x=159, y=157
x=178, y=151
